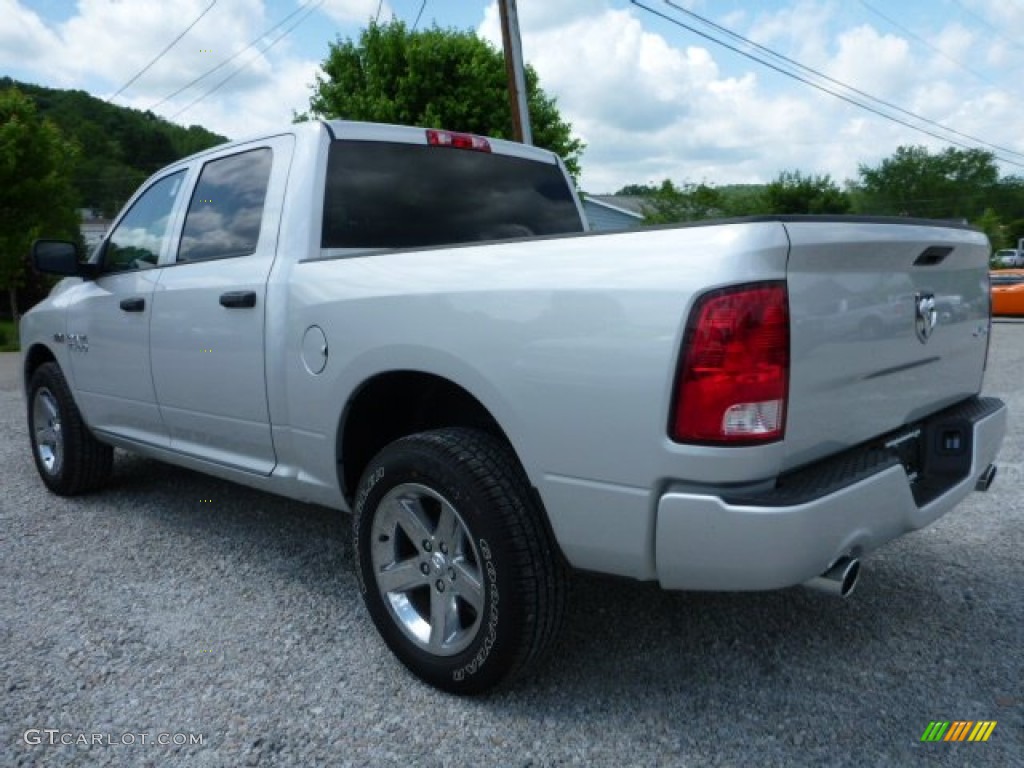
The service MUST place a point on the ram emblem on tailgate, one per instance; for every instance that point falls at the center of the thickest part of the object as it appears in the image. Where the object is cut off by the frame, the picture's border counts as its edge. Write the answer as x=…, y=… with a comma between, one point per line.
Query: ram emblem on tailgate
x=926, y=316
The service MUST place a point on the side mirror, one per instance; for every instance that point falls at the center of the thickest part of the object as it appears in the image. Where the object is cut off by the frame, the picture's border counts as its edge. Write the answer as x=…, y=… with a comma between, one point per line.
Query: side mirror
x=59, y=257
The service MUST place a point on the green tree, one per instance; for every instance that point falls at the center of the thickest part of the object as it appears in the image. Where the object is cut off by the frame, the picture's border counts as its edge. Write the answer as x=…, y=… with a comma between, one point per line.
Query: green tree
x=990, y=223
x=443, y=78
x=1014, y=232
x=668, y=204
x=953, y=184
x=743, y=199
x=637, y=190
x=794, y=193
x=1008, y=200
x=36, y=195
x=118, y=147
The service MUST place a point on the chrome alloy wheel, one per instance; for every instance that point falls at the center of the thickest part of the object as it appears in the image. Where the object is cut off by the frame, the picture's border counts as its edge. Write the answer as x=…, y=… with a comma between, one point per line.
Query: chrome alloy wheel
x=428, y=569
x=48, y=437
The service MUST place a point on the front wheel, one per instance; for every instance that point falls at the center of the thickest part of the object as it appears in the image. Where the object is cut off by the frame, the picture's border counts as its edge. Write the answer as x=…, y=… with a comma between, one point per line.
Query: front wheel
x=458, y=570
x=69, y=459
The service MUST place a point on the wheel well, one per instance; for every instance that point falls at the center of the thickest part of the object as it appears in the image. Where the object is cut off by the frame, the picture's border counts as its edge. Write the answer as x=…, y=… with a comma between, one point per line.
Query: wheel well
x=36, y=356
x=393, y=405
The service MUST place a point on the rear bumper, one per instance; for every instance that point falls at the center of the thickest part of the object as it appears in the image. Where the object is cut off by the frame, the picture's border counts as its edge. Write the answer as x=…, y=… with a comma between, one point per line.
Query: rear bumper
x=848, y=505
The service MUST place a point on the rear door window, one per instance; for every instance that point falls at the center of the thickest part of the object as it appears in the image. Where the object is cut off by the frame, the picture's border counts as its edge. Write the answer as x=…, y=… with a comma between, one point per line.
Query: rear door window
x=226, y=210
x=388, y=195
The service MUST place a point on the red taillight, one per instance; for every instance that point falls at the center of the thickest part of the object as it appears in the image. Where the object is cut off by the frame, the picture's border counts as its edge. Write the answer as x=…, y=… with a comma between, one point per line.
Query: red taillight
x=457, y=140
x=733, y=380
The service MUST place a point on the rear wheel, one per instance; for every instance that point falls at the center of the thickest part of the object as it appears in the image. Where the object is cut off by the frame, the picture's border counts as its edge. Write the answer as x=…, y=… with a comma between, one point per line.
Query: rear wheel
x=458, y=570
x=69, y=459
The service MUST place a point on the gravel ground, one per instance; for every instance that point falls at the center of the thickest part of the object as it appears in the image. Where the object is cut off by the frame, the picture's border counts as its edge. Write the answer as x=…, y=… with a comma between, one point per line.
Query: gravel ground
x=178, y=604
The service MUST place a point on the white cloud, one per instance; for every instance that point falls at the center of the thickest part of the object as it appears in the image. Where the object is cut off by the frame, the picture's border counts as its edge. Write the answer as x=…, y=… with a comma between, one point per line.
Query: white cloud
x=115, y=40
x=540, y=16
x=107, y=42
x=357, y=11
x=956, y=43
x=651, y=101
x=264, y=103
x=799, y=31
x=878, y=64
x=650, y=109
x=1000, y=14
x=653, y=104
x=24, y=39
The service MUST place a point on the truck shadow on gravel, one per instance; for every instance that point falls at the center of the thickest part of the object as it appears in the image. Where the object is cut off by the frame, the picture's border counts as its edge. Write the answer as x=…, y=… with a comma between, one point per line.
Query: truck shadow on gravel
x=641, y=636
x=302, y=542
x=622, y=641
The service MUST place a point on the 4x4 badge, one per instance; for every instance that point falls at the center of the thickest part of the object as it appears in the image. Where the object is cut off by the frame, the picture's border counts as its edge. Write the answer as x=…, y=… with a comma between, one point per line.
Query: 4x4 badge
x=925, y=316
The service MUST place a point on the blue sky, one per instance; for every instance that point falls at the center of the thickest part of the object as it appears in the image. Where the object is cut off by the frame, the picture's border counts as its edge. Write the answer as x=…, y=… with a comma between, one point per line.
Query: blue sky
x=651, y=99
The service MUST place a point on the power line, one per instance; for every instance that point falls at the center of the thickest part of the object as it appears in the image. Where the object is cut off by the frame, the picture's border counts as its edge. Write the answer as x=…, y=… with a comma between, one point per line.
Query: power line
x=415, y=23
x=805, y=81
x=162, y=53
x=935, y=49
x=821, y=75
x=231, y=58
x=993, y=29
x=309, y=8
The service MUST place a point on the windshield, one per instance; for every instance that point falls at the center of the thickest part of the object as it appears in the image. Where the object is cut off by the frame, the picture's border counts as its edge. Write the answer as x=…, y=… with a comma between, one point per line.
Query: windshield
x=389, y=195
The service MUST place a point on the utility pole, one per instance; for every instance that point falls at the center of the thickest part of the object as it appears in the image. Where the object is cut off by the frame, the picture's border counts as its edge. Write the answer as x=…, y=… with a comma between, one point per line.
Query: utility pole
x=513, y=46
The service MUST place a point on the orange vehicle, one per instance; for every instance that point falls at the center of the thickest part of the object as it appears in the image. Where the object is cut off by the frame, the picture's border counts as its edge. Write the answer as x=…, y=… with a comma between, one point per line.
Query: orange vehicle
x=1007, y=292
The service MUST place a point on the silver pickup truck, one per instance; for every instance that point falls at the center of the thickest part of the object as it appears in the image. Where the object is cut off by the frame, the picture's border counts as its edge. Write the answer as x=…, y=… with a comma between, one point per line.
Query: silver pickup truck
x=414, y=325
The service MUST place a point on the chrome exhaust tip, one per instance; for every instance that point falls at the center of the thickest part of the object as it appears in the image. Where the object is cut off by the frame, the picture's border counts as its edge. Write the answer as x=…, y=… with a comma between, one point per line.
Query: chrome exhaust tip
x=839, y=580
x=986, y=478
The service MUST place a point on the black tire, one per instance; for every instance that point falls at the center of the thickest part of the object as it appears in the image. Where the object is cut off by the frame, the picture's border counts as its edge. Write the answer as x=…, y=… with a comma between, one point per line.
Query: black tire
x=434, y=511
x=69, y=459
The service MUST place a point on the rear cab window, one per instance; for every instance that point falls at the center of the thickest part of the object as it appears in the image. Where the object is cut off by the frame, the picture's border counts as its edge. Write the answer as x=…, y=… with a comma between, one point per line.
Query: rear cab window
x=392, y=195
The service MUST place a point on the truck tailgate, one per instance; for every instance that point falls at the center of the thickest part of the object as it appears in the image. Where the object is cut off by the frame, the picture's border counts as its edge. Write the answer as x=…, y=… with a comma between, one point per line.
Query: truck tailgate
x=890, y=323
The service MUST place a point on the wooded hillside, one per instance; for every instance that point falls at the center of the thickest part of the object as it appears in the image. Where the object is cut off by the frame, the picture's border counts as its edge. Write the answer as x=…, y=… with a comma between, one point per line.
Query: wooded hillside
x=118, y=147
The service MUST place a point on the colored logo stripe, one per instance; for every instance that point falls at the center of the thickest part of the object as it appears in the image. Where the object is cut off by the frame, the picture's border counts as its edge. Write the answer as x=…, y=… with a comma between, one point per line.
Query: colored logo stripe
x=958, y=730
x=982, y=731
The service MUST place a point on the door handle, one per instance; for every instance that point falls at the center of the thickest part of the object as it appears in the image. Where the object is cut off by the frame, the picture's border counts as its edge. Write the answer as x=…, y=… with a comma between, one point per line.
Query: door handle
x=238, y=299
x=134, y=304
